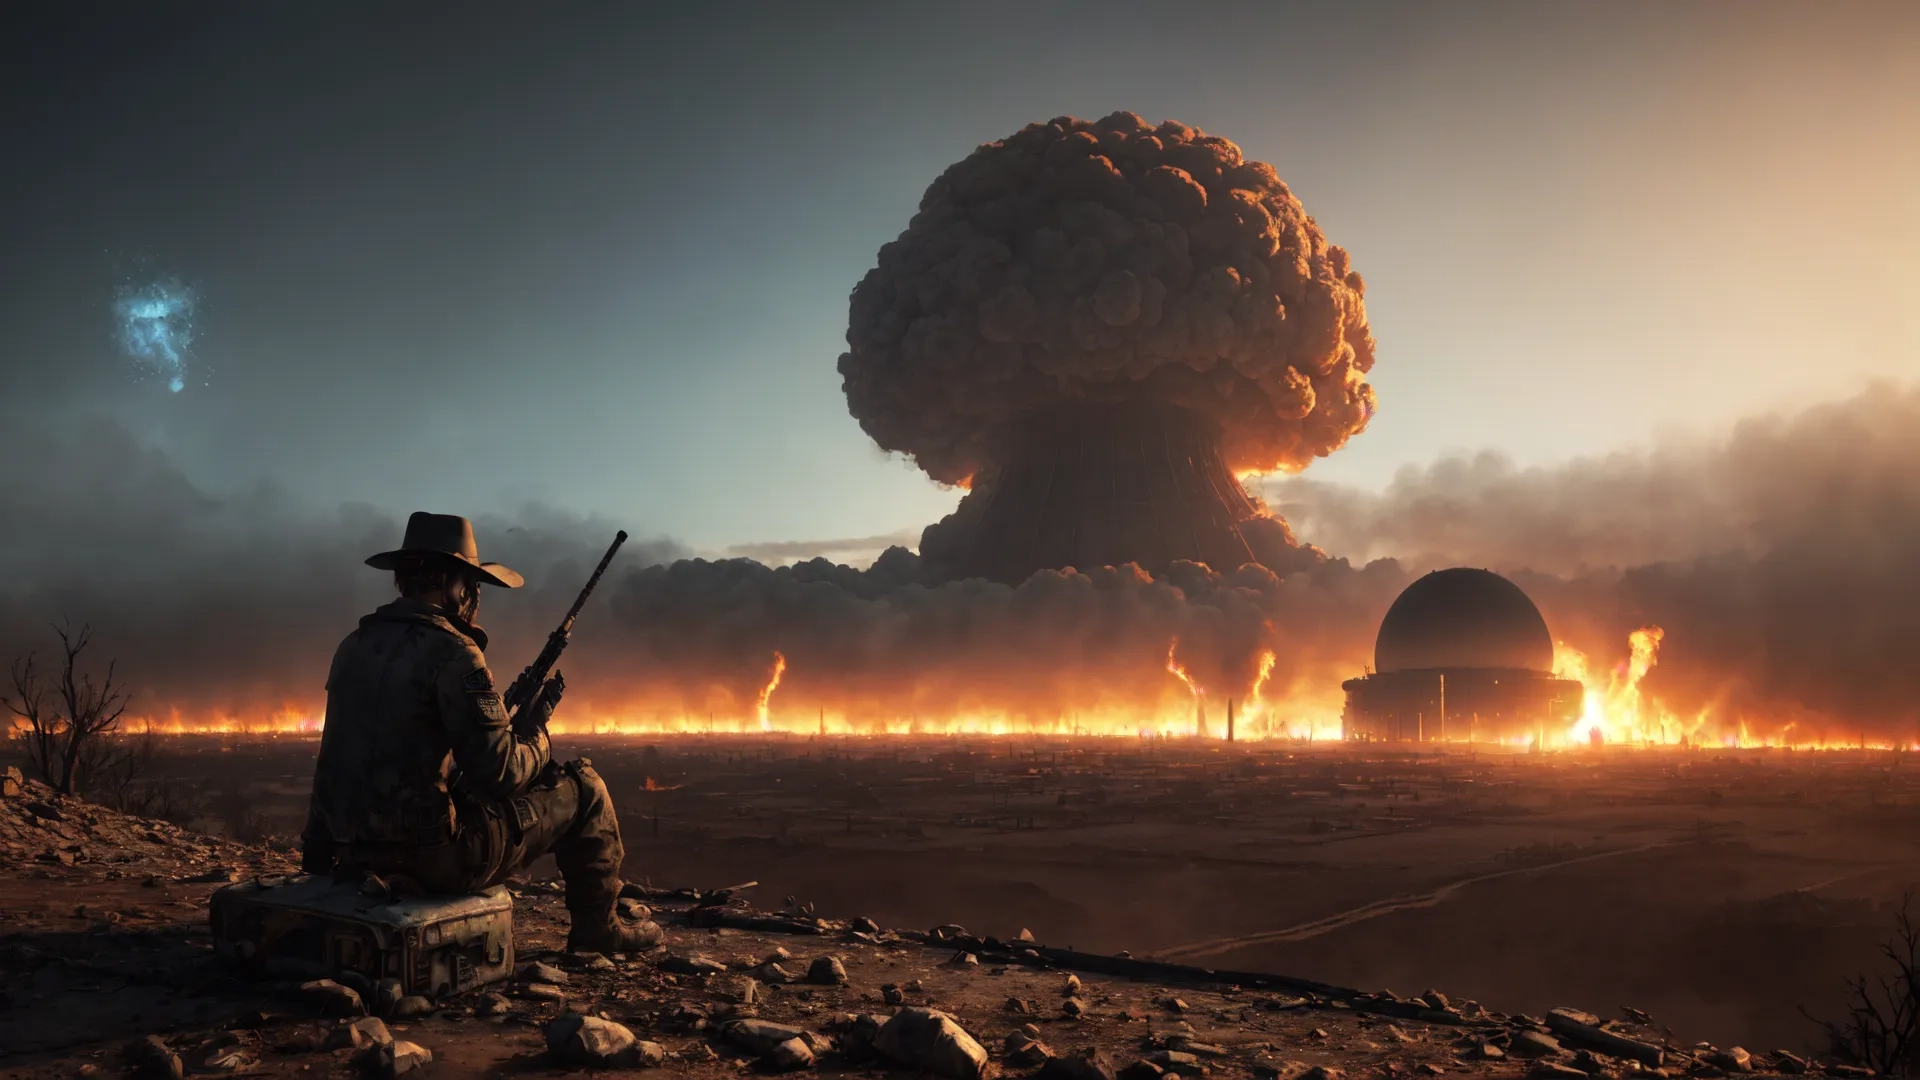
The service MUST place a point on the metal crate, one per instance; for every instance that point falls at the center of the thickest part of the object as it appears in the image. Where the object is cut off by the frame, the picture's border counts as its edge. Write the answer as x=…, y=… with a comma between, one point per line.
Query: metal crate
x=314, y=927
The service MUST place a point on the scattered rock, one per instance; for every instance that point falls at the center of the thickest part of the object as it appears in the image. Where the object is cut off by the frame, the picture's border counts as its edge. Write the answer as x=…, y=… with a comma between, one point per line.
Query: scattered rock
x=1025, y=1050
x=1785, y=1061
x=1070, y=987
x=1177, y=1061
x=1025, y=935
x=1547, y=1070
x=396, y=1059
x=865, y=925
x=362, y=1034
x=1486, y=1051
x=1090, y=1065
x=223, y=1060
x=692, y=964
x=932, y=1041
x=219, y=875
x=1582, y=1027
x=153, y=1059
x=759, y=1036
x=491, y=1005
x=45, y=811
x=543, y=992
x=578, y=1039
x=1436, y=1000
x=1533, y=1044
x=1320, y=1072
x=1733, y=1059
x=1020, y=1005
x=892, y=995
x=787, y=1056
x=1588, y=1062
x=1073, y=1006
x=1141, y=1070
x=827, y=971
x=542, y=972
x=386, y=994
x=332, y=999
x=410, y=1006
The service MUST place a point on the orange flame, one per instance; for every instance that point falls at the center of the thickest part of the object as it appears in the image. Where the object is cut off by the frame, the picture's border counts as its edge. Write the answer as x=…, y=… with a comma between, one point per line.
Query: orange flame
x=1179, y=671
x=766, y=692
x=1256, y=710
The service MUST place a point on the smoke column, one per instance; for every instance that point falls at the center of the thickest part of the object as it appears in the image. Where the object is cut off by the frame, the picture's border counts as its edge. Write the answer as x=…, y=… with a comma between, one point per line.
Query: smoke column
x=1095, y=325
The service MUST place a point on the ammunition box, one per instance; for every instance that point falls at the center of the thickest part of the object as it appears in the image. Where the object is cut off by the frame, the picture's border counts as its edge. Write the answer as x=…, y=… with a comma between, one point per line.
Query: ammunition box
x=316, y=928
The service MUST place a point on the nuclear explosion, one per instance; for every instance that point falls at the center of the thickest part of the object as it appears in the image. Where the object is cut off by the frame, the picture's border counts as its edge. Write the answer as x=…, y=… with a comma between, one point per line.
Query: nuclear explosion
x=1095, y=327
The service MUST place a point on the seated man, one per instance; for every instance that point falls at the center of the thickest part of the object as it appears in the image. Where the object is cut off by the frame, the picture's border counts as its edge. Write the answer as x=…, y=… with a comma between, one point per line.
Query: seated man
x=422, y=776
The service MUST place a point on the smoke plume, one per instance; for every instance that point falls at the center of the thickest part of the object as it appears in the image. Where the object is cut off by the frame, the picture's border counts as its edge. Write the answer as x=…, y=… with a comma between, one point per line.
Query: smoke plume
x=1778, y=559
x=1111, y=261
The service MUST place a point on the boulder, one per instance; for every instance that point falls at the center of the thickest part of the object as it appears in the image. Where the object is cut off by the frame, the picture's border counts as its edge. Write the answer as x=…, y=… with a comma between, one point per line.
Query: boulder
x=1532, y=1044
x=759, y=1036
x=794, y=1053
x=578, y=1039
x=931, y=1041
x=362, y=1034
x=1090, y=1065
x=396, y=1059
x=332, y=999
x=1584, y=1028
x=827, y=971
x=153, y=1059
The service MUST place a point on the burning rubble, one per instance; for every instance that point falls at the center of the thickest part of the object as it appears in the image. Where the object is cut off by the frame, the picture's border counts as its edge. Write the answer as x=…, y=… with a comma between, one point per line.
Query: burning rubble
x=1095, y=326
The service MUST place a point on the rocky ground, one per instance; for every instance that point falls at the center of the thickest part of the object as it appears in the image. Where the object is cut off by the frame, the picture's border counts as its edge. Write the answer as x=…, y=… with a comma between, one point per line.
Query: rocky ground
x=107, y=968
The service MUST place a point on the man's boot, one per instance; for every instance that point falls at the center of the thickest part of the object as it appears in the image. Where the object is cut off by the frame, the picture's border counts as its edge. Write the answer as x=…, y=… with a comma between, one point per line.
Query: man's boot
x=626, y=926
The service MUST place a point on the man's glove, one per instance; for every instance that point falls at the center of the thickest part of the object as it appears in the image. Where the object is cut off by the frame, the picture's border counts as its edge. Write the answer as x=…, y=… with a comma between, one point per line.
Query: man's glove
x=533, y=719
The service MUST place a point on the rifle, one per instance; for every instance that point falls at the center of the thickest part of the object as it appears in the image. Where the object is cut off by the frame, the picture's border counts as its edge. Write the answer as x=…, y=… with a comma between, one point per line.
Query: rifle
x=526, y=686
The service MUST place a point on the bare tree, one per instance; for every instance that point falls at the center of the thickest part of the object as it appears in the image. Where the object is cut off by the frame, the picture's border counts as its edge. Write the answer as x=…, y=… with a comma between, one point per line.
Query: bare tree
x=63, y=720
x=1881, y=1029
x=120, y=771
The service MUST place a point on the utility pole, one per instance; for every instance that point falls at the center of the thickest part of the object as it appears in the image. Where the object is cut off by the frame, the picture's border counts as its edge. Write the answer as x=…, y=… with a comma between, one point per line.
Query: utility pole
x=1229, y=719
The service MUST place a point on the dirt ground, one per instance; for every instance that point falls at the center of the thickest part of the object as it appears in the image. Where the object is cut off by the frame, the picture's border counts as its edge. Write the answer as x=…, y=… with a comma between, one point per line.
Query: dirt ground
x=1720, y=891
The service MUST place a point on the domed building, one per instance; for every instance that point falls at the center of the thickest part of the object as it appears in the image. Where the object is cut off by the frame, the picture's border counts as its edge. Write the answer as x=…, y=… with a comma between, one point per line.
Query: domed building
x=1462, y=656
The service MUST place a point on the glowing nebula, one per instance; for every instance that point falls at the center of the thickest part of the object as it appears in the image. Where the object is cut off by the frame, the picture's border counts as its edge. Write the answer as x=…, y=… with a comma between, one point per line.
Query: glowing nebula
x=156, y=327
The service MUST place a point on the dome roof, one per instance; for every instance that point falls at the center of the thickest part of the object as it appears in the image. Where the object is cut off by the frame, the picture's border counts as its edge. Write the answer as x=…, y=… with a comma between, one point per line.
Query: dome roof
x=1463, y=618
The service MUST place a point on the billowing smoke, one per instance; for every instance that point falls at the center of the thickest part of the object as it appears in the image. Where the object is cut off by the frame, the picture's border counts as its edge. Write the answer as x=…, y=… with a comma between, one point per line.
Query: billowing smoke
x=1086, y=308
x=1780, y=558
x=1794, y=599
x=229, y=606
x=1112, y=261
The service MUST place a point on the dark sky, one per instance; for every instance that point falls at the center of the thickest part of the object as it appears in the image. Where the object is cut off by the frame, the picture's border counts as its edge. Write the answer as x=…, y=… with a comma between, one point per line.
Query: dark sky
x=597, y=256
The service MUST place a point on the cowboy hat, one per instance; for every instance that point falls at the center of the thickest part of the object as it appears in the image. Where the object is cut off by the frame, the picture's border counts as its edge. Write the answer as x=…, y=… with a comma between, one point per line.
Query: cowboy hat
x=449, y=536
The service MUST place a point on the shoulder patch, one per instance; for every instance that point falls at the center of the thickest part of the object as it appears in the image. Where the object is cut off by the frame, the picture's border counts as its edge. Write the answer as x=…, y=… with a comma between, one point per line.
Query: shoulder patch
x=478, y=680
x=491, y=707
